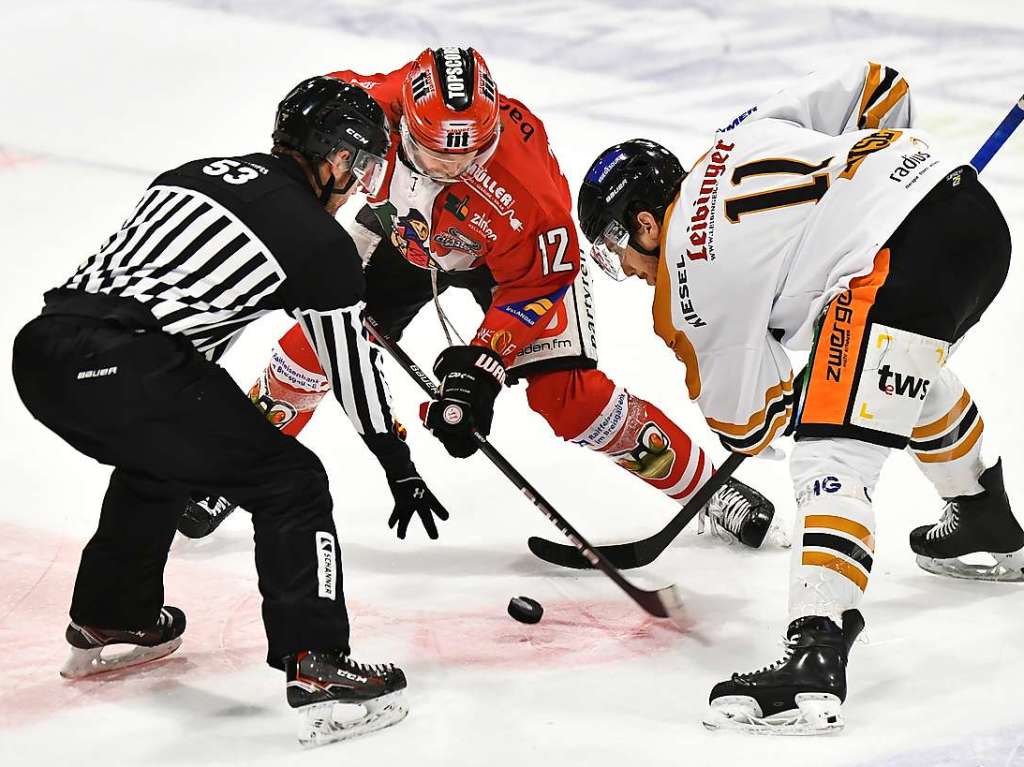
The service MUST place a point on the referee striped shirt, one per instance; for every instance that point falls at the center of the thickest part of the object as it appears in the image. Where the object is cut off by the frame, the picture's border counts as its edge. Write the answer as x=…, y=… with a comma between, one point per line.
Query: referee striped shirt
x=217, y=243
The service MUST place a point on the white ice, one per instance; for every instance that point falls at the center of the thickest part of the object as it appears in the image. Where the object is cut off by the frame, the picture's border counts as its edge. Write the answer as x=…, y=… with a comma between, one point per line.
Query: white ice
x=99, y=96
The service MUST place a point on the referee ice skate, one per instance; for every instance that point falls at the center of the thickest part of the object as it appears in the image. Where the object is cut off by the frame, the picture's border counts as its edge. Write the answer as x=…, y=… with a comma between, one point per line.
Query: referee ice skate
x=121, y=365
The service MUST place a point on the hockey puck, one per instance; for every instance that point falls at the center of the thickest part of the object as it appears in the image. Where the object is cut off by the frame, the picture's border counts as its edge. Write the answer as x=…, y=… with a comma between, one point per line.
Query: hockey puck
x=525, y=610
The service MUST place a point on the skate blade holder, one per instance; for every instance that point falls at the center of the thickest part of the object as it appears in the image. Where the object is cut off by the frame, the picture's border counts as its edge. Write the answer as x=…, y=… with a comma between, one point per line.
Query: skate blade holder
x=1008, y=568
x=331, y=721
x=96, y=660
x=817, y=713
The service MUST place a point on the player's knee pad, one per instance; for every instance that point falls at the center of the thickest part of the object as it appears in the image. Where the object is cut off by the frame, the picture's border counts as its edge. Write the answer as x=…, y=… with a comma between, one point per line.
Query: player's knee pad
x=839, y=456
x=292, y=385
x=577, y=402
x=833, y=546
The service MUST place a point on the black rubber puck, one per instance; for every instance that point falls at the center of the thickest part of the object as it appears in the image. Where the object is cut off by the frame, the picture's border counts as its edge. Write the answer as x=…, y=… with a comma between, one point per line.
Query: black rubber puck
x=525, y=610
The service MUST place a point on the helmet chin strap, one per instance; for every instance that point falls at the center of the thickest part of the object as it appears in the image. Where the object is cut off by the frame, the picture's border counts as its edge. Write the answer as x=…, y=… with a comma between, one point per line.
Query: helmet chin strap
x=328, y=188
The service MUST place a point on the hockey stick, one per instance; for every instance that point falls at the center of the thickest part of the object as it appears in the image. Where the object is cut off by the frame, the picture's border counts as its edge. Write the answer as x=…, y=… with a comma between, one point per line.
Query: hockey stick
x=662, y=603
x=1004, y=130
x=626, y=556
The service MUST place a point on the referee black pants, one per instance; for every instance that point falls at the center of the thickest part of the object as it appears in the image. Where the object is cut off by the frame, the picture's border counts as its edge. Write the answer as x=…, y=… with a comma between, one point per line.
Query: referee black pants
x=171, y=422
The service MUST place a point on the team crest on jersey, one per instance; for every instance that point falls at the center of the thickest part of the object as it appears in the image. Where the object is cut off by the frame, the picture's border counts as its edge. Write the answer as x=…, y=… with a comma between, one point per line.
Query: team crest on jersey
x=652, y=457
x=453, y=239
x=530, y=311
x=409, y=235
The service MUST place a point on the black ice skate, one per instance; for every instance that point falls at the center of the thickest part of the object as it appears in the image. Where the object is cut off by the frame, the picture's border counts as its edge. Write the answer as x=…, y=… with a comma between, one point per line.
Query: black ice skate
x=95, y=650
x=740, y=511
x=204, y=515
x=340, y=699
x=972, y=524
x=801, y=693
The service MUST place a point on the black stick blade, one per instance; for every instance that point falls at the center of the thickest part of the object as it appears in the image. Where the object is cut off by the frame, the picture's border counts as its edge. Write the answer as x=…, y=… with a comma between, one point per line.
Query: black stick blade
x=624, y=556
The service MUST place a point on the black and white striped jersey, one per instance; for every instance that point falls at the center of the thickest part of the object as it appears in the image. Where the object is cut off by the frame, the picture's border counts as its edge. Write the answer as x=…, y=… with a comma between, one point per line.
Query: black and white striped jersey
x=218, y=242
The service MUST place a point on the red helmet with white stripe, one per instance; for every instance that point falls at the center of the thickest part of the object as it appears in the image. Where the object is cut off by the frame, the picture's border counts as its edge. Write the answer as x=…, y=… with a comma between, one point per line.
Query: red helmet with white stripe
x=450, y=112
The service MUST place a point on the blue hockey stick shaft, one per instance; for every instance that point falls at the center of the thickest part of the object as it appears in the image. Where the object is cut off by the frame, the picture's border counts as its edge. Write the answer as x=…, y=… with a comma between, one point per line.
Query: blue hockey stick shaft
x=999, y=136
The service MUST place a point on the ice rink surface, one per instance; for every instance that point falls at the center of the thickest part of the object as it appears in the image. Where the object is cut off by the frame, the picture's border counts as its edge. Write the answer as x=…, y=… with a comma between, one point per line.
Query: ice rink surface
x=99, y=96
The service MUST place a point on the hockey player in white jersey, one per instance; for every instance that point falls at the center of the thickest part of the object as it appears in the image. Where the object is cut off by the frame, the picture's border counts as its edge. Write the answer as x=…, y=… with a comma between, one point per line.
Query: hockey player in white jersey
x=822, y=220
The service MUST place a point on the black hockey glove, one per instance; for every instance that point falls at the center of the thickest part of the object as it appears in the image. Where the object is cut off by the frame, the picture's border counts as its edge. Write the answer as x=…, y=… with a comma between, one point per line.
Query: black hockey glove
x=412, y=496
x=471, y=377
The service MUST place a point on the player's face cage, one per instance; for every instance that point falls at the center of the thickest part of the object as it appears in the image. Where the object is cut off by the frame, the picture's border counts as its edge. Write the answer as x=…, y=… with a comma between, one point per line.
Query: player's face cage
x=609, y=249
x=443, y=167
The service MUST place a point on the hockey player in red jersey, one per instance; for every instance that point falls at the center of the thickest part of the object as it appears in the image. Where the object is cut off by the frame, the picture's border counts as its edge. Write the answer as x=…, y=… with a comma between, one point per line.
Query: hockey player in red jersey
x=475, y=199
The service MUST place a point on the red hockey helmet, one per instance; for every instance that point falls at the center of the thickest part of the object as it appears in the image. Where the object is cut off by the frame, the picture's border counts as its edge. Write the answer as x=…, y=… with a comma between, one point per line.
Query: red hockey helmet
x=449, y=112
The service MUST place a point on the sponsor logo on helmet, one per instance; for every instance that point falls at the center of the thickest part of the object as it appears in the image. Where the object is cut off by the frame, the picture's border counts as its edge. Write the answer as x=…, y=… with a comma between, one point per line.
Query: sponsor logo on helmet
x=458, y=134
x=421, y=88
x=530, y=311
x=453, y=71
x=456, y=87
x=615, y=190
x=357, y=136
x=604, y=165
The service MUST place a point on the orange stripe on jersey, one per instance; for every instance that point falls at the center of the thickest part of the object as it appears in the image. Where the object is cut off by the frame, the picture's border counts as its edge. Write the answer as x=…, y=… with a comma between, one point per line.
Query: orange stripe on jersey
x=838, y=347
x=872, y=81
x=942, y=424
x=841, y=566
x=880, y=110
x=778, y=424
x=757, y=419
x=843, y=525
x=662, y=311
x=957, y=452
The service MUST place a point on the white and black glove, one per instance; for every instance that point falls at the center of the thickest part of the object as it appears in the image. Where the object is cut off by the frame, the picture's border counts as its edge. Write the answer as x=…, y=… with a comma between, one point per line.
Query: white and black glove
x=471, y=377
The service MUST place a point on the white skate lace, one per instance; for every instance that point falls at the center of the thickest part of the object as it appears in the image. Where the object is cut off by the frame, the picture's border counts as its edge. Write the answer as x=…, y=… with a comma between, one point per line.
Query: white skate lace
x=789, y=645
x=947, y=525
x=369, y=669
x=726, y=511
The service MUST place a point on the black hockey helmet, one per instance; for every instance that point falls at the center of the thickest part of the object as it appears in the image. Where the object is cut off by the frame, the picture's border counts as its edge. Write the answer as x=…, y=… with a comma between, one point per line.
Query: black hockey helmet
x=323, y=115
x=624, y=180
